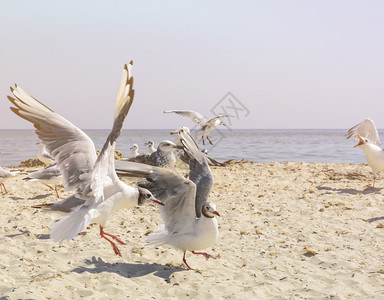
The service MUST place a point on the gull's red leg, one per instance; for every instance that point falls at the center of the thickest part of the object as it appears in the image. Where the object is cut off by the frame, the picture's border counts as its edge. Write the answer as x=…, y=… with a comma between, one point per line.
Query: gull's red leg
x=185, y=261
x=49, y=187
x=57, y=193
x=3, y=186
x=206, y=255
x=209, y=140
x=115, y=249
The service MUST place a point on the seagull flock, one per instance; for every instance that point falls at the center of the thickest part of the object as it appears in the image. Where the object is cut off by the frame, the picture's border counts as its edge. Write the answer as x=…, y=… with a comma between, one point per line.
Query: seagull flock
x=190, y=222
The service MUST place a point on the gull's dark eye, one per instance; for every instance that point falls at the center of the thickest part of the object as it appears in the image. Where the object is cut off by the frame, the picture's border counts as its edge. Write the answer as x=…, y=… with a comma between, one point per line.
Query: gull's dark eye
x=148, y=195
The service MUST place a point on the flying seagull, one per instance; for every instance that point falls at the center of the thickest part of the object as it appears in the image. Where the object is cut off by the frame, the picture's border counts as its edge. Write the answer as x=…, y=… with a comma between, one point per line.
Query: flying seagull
x=93, y=177
x=206, y=126
x=189, y=219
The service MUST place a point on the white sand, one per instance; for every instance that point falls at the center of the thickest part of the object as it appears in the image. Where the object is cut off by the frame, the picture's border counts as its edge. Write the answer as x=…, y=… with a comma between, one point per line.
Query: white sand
x=287, y=231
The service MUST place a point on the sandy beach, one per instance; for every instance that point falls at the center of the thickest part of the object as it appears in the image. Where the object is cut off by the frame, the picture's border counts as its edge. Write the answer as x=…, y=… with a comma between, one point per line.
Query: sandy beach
x=287, y=231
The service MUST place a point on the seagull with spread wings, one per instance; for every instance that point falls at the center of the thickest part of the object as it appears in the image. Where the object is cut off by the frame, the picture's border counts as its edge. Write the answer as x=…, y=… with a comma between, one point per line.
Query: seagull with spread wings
x=189, y=219
x=206, y=126
x=94, y=178
x=369, y=142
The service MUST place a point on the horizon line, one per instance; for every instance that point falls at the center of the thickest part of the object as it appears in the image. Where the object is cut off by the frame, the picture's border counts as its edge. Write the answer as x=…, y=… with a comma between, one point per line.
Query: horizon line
x=230, y=129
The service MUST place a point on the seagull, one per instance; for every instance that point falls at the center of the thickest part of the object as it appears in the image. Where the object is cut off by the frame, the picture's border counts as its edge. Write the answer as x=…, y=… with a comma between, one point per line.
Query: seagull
x=43, y=155
x=134, y=151
x=207, y=126
x=181, y=155
x=93, y=177
x=369, y=142
x=151, y=147
x=46, y=176
x=4, y=175
x=162, y=157
x=189, y=220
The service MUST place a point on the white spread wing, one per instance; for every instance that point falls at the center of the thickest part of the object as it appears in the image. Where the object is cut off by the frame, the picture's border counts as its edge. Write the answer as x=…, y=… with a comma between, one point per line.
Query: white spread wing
x=192, y=115
x=73, y=151
x=366, y=129
x=104, y=173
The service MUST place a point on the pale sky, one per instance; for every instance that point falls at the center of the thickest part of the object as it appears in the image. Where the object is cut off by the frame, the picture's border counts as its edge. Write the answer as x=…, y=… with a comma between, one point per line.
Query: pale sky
x=292, y=64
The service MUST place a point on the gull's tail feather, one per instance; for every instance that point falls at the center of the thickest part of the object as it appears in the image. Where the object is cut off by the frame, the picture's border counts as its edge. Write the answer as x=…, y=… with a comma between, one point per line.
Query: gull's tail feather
x=70, y=226
x=158, y=238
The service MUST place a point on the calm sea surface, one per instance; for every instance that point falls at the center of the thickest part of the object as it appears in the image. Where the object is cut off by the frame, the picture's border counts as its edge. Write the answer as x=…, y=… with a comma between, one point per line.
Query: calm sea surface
x=253, y=144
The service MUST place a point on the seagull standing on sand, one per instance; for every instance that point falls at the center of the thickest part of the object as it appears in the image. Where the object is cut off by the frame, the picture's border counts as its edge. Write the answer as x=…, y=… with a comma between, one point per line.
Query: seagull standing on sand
x=369, y=142
x=4, y=175
x=134, y=151
x=44, y=156
x=47, y=176
x=94, y=178
x=189, y=220
x=162, y=157
x=151, y=147
x=207, y=126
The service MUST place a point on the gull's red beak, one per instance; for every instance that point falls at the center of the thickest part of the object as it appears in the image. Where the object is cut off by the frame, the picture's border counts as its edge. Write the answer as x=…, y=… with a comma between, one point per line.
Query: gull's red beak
x=158, y=202
x=216, y=213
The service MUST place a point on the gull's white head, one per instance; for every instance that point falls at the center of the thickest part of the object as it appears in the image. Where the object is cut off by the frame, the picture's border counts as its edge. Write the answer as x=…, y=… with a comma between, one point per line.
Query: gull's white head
x=168, y=146
x=149, y=144
x=209, y=210
x=219, y=122
x=134, y=147
x=181, y=129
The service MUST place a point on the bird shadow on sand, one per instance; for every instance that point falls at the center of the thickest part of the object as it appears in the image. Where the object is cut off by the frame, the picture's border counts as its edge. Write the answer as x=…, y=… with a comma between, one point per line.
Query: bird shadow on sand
x=39, y=197
x=375, y=219
x=367, y=190
x=22, y=232
x=128, y=270
x=15, y=199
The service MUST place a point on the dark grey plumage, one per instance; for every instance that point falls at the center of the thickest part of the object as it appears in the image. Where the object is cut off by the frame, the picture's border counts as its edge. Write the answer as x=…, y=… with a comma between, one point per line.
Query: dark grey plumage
x=162, y=157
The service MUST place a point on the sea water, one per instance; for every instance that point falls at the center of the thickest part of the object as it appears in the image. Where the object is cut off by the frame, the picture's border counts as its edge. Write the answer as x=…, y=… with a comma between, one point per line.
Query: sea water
x=259, y=145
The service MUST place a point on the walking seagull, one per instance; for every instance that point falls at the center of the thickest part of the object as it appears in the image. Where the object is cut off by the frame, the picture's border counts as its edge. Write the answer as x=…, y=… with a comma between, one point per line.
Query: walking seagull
x=94, y=178
x=369, y=142
x=207, y=126
x=189, y=220
x=46, y=176
x=5, y=175
x=43, y=155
